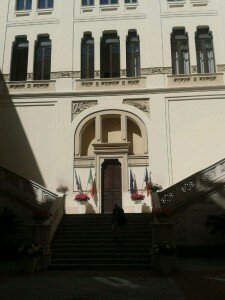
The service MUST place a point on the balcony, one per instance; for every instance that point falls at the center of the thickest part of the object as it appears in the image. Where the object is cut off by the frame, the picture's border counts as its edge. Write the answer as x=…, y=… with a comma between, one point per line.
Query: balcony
x=191, y=80
x=111, y=84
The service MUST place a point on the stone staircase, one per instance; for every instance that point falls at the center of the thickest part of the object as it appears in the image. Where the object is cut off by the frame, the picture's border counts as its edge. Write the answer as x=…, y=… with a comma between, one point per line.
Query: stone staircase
x=86, y=242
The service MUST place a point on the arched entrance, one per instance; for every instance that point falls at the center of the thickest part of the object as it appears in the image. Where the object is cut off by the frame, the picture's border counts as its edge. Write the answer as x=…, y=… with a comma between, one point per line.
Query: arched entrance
x=111, y=185
x=108, y=145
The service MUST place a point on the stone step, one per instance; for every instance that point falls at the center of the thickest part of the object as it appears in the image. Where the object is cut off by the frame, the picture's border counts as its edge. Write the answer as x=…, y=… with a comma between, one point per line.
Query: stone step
x=99, y=266
x=104, y=261
x=110, y=255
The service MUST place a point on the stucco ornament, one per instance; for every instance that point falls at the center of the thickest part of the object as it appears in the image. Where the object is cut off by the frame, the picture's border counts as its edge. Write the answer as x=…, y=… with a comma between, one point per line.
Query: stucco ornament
x=142, y=104
x=79, y=106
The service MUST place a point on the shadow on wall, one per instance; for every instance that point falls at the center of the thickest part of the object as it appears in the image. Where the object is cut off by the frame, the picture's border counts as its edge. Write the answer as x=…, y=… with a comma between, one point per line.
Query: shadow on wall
x=15, y=150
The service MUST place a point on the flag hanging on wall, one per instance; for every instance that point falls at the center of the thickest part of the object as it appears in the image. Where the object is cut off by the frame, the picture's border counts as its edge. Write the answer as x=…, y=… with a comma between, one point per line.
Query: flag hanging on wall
x=78, y=183
x=131, y=182
x=92, y=183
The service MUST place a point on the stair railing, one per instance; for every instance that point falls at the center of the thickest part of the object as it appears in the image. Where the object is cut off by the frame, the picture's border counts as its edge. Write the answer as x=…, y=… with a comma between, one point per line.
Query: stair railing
x=200, y=184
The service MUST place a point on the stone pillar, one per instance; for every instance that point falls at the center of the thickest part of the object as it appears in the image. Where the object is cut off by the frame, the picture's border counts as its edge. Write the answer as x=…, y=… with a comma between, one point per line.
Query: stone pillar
x=97, y=41
x=98, y=128
x=124, y=128
x=122, y=35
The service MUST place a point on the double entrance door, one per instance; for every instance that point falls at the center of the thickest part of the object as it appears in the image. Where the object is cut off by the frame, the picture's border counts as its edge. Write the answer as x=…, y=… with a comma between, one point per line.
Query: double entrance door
x=111, y=185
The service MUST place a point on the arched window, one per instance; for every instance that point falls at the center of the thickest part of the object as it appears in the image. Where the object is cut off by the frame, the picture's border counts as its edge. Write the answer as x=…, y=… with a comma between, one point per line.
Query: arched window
x=180, y=52
x=110, y=55
x=42, y=60
x=133, y=54
x=19, y=59
x=87, y=56
x=23, y=4
x=204, y=51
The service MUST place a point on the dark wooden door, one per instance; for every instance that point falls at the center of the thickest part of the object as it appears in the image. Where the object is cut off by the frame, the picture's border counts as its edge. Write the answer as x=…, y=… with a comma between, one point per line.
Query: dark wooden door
x=111, y=185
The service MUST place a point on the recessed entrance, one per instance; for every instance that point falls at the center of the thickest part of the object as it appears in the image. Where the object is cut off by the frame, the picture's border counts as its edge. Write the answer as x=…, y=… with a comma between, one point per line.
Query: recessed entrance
x=111, y=185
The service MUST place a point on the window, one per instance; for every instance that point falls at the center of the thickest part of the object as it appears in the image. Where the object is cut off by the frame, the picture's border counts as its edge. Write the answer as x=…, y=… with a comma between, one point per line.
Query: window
x=19, y=59
x=42, y=59
x=87, y=56
x=180, y=52
x=133, y=54
x=204, y=51
x=130, y=1
x=87, y=2
x=104, y=2
x=110, y=55
x=45, y=4
x=23, y=4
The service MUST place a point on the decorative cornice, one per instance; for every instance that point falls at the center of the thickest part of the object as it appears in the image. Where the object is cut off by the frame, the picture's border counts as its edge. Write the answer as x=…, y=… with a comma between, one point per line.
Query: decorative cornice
x=142, y=104
x=79, y=106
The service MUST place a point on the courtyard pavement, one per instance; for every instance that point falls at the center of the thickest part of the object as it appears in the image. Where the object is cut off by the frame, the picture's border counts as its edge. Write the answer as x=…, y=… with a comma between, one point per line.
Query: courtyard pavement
x=194, y=279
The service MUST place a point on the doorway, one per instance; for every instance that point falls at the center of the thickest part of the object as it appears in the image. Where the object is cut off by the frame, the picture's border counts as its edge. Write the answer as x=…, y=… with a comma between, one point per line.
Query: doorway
x=111, y=185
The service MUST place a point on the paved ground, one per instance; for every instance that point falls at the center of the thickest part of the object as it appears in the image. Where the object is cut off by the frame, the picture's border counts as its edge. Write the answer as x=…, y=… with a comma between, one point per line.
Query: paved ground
x=195, y=279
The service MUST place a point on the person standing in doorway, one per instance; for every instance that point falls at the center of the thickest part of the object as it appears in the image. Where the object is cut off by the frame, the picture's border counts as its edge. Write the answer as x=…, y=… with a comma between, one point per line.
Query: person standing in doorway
x=118, y=222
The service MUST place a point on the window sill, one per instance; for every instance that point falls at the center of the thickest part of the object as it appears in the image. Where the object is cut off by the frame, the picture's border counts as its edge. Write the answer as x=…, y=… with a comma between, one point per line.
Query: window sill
x=190, y=80
x=196, y=3
x=174, y=4
x=111, y=83
x=88, y=8
x=22, y=13
x=44, y=11
x=130, y=6
x=109, y=7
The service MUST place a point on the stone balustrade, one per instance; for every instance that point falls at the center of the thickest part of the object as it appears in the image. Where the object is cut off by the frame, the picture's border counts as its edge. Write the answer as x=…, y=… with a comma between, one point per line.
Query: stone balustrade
x=195, y=187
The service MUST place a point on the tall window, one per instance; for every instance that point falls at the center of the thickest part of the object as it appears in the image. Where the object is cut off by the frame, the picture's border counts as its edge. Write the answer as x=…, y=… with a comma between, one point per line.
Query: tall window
x=204, y=50
x=87, y=56
x=42, y=59
x=133, y=54
x=19, y=59
x=45, y=3
x=180, y=52
x=23, y=4
x=130, y=1
x=103, y=2
x=87, y=2
x=110, y=55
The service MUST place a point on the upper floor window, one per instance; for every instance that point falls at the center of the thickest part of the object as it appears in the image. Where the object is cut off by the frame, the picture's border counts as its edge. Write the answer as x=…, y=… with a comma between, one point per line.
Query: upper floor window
x=87, y=2
x=45, y=4
x=87, y=56
x=180, y=52
x=204, y=50
x=19, y=59
x=130, y=1
x=23, y=4
x=42, y=58
x=103, y=2
x=133, y=54
x=110, y=55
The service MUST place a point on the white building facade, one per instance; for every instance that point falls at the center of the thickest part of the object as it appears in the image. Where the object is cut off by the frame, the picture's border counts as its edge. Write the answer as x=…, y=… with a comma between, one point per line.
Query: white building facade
x=112, y=88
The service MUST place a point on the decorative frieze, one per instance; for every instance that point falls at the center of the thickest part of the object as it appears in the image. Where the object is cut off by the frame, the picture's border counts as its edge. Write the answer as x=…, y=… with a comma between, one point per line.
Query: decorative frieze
x=195, y=80
x=208, y=176
x=142, y=104
x=157, y=70
x=65, y=74
x=111, y=83
x=30, y=86
x=187, y=187
x=79, y=106
x=168, y=198
x=220, y=68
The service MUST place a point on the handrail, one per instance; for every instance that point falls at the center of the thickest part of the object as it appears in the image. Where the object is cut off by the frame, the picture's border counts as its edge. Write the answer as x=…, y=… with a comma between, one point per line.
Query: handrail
x=24, y=188
x=204, y=181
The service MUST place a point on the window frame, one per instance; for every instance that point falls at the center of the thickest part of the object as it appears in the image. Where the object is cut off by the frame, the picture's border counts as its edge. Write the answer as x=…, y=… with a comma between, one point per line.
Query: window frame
x=135, y=68
x=86, y=71
x=205, y=68
x=24, y=5
x=108, y=2
x=15, y=61
x=46, y=4
x=88, y=3
x=44, y=50
x=176, y=48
